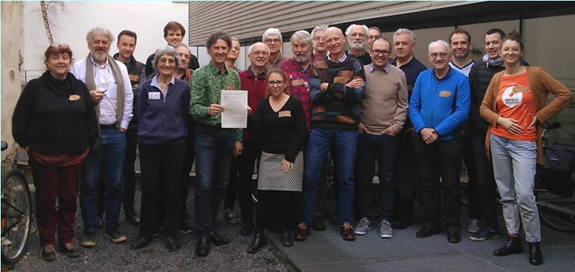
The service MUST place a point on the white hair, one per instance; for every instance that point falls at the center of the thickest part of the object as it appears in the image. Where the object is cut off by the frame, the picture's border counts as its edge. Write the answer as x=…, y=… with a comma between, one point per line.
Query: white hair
x=272, y=31
x=404, y=31
x=252, y=46
x=319, y=28
x=302, y=36
x=365, y=29
x=99, y=30
x=431, y=44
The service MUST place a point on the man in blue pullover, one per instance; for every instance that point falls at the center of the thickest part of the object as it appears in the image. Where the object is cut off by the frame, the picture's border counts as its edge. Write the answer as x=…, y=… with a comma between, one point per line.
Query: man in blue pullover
x=438, y=108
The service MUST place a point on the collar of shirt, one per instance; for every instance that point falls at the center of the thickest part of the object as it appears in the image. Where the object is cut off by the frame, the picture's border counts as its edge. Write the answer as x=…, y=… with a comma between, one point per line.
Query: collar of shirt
x=97, y=65
x=157, y=85
x=446, y=75
x=214, y=70
x=251, y=72
x=371, y=68
x=342, y=59
x=303, y=70
x=349, y=53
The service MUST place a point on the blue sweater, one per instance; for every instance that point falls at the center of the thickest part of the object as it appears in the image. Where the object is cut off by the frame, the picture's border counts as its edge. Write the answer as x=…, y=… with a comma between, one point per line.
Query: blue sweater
x=441, y=104
x=163, y=118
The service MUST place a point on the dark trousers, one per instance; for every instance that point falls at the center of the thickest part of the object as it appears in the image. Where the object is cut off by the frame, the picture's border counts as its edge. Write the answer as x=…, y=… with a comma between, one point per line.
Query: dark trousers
x=474, y=206
x=129, y=172
x=189, y=162
x=440, y=165
x=384, y=148
x=161, y=168
x=486, y=186
x=271, y=203
x=241, y=182
x=406, y=177
x=56, y=183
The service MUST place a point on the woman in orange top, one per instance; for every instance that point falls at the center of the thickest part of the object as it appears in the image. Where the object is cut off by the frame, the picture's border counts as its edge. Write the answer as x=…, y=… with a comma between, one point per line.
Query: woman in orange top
x=514, y=105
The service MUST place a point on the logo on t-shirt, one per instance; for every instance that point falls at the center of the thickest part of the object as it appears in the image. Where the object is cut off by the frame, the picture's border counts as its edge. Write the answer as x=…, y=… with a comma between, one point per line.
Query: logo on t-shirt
x=513, y=95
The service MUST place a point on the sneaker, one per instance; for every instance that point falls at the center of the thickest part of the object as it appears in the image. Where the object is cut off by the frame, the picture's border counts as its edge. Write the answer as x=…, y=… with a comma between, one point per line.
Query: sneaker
x=385, y=230
x=113, y=233
x=89, y=239
x=363, y=226
x=473, y=226
x=158, y=230
x=69, y=250
x=231, y=216
x=184, y=227
x=48, y=253
x=484, y=234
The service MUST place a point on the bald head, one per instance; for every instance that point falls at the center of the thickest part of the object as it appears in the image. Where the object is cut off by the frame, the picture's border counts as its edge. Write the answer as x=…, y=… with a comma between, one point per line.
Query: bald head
x=259, y=55
x=334, y=39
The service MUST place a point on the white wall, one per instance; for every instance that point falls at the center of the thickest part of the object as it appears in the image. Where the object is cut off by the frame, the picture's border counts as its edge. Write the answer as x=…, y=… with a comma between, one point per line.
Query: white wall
x=146, y=18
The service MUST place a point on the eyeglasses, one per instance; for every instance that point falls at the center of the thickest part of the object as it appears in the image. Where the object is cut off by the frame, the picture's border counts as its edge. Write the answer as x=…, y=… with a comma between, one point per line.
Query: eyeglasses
x=515, y=50
x=260, y=53
x=374, y=37
x=59, y=45
x=272, y=40
x=275, y=83
x=435, y=55
x=380, y=52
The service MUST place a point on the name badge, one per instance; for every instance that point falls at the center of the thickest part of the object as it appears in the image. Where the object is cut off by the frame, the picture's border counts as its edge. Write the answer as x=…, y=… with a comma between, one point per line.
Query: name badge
x=341, y=80
x=74, y=97
x=154, y=96
x=284, y=114
x=297, y=82
x=444, y=94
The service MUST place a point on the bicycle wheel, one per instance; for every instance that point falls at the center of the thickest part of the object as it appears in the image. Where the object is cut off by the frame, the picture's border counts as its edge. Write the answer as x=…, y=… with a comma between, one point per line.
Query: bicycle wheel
x=16, y=212
x=555, y=211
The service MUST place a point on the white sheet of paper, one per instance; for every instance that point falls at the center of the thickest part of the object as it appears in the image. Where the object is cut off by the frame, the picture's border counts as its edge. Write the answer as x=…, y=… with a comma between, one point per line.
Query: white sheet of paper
x=235, y=103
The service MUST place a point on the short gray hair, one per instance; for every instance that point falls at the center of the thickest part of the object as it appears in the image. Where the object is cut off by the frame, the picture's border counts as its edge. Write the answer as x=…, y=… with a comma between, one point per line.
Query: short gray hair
x=319, y=28
x=302, y=36
x=168, y=50
x=99, y=30
x=404, y=31
x=365, y=29
x=251, y=47
x=439, y=42
x=272, y=31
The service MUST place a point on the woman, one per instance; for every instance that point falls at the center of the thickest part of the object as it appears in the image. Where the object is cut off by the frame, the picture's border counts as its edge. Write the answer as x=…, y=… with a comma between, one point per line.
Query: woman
x=163, y=111
x=55, y=121
x=233, y=55
x=280, y=123
x=514, y=106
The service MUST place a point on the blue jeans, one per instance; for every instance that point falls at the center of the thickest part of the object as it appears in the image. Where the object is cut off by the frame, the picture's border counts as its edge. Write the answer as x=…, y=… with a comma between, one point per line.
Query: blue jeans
x=108, y=160
x=384, y=148
x=514, y=171
x=320, y=142
x=214, y=150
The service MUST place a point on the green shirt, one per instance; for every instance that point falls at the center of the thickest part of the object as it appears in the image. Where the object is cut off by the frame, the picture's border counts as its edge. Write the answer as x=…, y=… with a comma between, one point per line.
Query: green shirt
x=206, y=85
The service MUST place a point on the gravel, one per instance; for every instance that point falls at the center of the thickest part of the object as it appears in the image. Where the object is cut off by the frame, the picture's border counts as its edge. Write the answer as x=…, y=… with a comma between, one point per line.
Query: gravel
x=106, y=256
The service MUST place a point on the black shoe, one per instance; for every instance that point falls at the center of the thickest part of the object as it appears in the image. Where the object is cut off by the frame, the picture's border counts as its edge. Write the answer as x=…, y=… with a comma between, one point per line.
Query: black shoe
x=113, y=233
x=158, y=230
x=286, y=238
x=399, y=225
x=48, y=253
x=185, y=228
x=535, y=254
x=513, y=246
x=203, y=247
x=69, y=250
x=218, y=240
x=132, y=217
x=453, y=237
x=172, y=243
x=247, y=228
x=141, y=242
x=89, y=239
x=426, y=232
x=317, y=224
x=258, y=243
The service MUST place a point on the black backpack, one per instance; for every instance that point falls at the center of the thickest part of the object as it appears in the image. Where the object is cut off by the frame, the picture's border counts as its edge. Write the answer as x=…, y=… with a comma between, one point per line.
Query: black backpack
x=558, y=174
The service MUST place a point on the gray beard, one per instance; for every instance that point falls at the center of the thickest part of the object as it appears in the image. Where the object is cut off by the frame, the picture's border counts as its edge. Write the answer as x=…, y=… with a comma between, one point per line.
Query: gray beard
x=356, y=46
x=301, y=58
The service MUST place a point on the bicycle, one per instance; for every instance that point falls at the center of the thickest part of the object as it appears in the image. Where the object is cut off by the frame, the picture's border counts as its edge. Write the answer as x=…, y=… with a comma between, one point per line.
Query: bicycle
x=556, y=206
x=16, y=215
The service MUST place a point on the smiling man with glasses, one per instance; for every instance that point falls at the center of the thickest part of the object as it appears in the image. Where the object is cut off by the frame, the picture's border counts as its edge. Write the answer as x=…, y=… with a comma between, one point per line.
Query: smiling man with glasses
x=438, y=107
x=273, y=39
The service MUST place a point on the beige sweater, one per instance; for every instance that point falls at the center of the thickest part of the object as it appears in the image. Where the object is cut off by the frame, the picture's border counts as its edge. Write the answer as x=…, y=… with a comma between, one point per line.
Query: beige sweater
x=384, y=102
x=541, y=84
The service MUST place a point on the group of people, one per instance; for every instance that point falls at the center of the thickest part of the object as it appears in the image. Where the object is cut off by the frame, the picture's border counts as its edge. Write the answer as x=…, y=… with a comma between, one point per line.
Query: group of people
x=81, y=124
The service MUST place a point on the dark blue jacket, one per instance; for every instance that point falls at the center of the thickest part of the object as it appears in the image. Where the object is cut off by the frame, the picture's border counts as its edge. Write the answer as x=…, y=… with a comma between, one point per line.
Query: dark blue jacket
x=163, y=121
x=441, y=104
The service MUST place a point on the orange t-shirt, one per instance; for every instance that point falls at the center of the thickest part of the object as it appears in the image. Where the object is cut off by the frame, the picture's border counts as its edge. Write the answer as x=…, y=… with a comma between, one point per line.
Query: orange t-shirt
x=515, y=100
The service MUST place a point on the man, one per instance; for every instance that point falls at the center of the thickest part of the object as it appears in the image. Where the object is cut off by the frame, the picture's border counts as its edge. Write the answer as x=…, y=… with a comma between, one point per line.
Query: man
x=174, y=33
x=183, y=71
x=357, y=40
x=136, y=70
x=273, y=39
x=252, y=80
x=406, y=173
x=109, y=85
x=460, y=42
x=214, y=145
x=479, y=79
x=336, y=88
x=319, y=46
x=438, y=107
x=374, y=34
x=383, y=111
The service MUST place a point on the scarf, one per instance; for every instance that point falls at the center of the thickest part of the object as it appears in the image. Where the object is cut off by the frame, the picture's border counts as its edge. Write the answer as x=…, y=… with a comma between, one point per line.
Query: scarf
x=91, y=84
x=492, y=62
